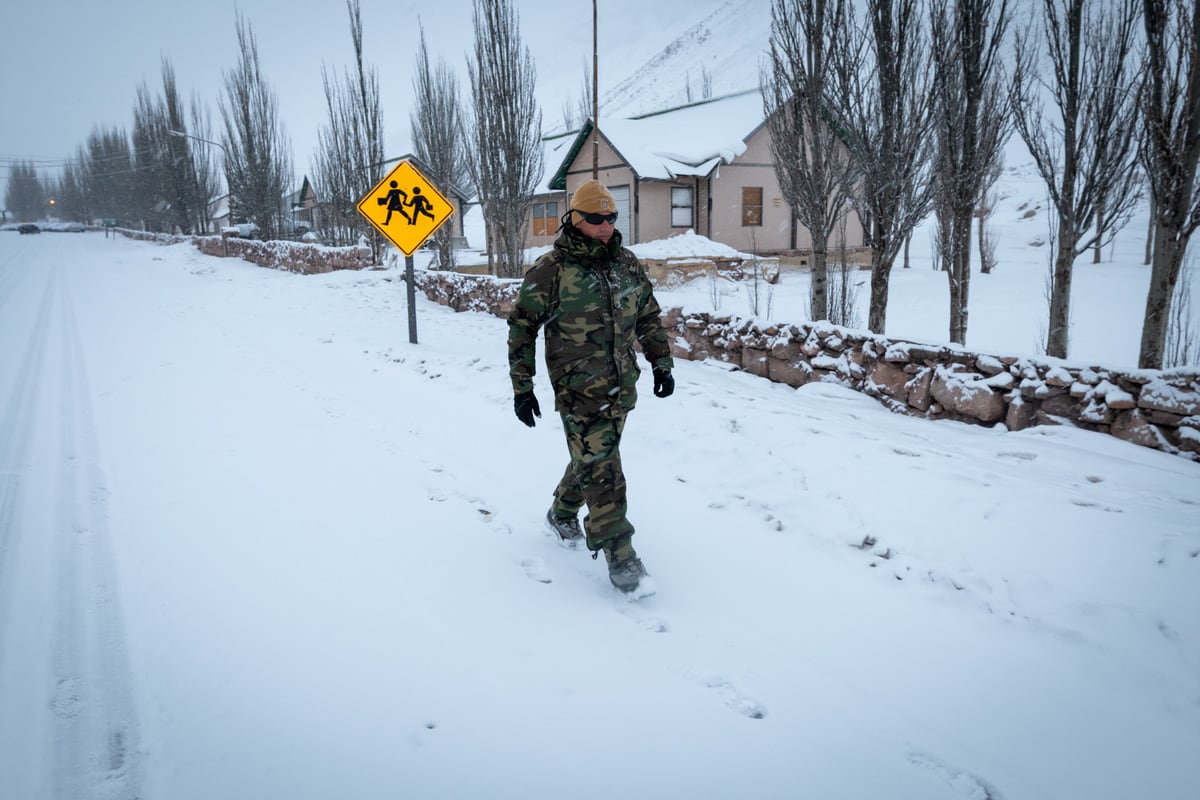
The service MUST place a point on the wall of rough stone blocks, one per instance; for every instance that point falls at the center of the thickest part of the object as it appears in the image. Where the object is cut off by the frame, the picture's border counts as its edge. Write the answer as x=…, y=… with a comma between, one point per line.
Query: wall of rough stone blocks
x=1152, y=408
x=306, y=259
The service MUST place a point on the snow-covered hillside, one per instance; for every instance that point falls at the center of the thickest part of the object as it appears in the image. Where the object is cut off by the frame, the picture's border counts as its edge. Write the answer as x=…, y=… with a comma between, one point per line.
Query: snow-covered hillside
x=725, y=48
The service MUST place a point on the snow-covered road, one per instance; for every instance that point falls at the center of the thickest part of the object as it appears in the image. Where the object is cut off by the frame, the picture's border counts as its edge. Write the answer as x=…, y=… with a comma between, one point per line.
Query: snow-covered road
x=255, y=544
x=65, y=679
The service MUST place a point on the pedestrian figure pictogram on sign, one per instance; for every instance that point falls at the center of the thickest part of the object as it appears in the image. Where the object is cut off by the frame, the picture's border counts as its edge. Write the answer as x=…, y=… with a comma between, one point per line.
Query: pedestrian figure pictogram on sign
x=407, y=193
x=420, y=205
x=395, y=200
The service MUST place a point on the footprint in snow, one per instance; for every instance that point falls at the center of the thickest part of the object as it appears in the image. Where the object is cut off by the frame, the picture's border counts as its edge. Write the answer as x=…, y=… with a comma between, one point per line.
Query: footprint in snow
x=966, y=784
x=736, y=699
x=647, y=622
x=67, y=698
x=536, y=569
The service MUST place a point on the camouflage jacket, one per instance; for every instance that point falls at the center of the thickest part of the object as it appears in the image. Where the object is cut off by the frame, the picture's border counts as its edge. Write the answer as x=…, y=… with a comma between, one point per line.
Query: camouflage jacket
x=594, y=301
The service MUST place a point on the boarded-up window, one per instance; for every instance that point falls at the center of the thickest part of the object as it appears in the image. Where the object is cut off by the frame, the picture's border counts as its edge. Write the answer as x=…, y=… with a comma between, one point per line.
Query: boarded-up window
x=682, y=207
x=545, y=219
x=752, y=208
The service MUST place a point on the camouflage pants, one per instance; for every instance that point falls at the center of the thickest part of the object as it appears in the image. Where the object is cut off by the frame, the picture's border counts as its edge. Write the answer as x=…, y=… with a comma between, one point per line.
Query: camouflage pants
x=594, y=477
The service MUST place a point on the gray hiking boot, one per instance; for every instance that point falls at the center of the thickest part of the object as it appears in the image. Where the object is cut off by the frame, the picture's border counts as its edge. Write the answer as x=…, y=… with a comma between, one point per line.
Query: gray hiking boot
x=625, y=569
x=566, y=530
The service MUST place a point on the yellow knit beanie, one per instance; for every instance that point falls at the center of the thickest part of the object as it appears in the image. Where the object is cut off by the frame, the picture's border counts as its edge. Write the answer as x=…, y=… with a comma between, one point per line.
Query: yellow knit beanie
x=592, y=198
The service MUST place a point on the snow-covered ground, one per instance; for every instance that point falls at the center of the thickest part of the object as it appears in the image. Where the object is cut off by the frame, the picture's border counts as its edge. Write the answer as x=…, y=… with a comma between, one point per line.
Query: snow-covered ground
x=254, y=543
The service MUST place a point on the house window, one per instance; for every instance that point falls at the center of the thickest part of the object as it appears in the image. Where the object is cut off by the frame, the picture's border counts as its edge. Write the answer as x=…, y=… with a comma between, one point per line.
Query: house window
x=545, y=219
x=682, y=207
x=752, y=206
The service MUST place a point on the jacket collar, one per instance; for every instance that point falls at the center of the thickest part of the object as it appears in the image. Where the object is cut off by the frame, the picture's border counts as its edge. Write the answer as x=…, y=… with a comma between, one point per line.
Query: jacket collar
x=590, y=251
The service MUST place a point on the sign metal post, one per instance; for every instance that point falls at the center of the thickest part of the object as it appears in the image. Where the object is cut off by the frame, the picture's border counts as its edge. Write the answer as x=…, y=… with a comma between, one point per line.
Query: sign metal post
x=406, y=208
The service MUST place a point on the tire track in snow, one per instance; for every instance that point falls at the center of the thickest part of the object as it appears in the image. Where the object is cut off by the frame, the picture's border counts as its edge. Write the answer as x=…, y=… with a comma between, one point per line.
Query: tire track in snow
x=24, y=556
x=16, y=433
x=71, y=717
x=97, y=748
x=12, y=272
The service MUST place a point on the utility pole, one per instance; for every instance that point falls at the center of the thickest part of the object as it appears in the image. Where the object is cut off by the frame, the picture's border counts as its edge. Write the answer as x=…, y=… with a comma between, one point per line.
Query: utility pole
x=595, y=93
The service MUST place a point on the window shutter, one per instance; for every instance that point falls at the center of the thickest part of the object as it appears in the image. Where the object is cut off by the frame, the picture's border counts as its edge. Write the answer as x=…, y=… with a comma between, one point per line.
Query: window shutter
x=752, y=205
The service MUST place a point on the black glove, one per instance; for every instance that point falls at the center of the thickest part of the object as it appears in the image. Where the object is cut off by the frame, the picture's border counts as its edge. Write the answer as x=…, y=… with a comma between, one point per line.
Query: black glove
x=664, y=384
x=526, y=406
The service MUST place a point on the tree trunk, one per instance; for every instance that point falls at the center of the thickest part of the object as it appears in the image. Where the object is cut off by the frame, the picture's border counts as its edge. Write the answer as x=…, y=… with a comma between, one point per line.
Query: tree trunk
x=818, y=302
x=1150, y=230
x=1057, y=339
x=881, y=274
x=959, y=267
x=1164, y=272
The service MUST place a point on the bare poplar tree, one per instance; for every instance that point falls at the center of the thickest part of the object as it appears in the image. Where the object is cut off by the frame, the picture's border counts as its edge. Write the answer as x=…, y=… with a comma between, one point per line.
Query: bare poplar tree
x=25, y=196
x=1183, y=326
x=185, y=192
x=108, y=175
x=439, y=136
x=72, y=202
x=885, y=84
x=1086, y=149
x=813, y=165
x=335, y=174
x=1170, y=153
x=258, y=165
x=972, y=122
x=577, y=110
x=505, y=127
x=203, y=156
x=166, y=187
x=350, y=143
x=986, y=210
x=149, y=179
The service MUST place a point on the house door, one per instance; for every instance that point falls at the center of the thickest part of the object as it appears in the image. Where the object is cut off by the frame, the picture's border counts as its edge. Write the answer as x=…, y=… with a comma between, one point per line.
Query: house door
x=624, y=220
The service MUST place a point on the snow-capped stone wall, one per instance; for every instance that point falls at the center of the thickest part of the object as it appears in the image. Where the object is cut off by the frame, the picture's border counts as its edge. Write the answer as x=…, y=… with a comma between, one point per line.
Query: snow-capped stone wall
x=306, y=259
x=1153, y=408
x=1158, y=409
x=469, y=292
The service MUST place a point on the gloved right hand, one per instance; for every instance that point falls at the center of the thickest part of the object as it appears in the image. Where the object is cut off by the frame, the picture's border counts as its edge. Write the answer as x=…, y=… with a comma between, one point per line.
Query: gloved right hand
x=526, y=406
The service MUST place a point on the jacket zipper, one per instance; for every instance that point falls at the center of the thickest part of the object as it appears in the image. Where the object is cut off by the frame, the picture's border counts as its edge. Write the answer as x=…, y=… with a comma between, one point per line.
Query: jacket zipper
x=605, y=273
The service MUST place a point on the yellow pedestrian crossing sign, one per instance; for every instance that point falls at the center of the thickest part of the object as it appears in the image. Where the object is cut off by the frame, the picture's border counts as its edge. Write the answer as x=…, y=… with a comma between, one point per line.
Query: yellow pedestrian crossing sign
x=405, y=207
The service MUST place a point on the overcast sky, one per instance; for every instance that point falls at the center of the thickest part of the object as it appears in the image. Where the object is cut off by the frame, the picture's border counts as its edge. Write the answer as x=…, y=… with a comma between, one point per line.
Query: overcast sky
x=70, y=65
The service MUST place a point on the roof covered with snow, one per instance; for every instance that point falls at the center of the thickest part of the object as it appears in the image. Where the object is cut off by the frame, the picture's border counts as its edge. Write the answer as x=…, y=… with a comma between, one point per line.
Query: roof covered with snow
x=687, y=140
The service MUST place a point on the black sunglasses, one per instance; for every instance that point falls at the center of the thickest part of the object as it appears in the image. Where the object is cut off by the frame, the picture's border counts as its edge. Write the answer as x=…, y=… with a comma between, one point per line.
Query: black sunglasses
x=596, y=219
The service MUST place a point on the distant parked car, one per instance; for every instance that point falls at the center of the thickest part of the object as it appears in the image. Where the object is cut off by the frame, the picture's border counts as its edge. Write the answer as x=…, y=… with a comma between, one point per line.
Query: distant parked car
x=245, y=230
x=28, y=227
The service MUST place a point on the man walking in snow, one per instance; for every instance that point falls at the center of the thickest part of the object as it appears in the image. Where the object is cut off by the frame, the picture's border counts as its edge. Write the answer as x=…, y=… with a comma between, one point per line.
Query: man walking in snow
x=594, y=300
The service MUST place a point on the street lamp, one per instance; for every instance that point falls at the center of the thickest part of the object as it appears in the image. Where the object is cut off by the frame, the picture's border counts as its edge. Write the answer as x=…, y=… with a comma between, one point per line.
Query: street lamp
x=224, y=152
x=199, y=139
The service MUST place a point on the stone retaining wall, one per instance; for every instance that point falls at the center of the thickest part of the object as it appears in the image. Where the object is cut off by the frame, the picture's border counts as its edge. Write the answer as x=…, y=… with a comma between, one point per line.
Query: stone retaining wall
x=306, y=259
x=1152, y=408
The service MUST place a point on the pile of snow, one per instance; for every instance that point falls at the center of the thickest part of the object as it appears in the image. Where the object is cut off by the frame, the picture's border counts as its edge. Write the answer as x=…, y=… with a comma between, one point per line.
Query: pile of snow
x=688, y=245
